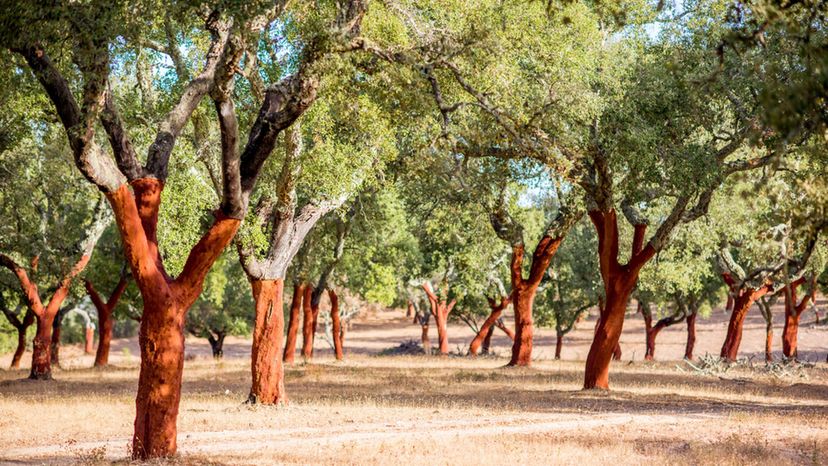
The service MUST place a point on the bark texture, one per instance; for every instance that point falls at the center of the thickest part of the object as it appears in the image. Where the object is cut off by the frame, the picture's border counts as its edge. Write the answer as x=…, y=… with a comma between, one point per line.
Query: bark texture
x=691, y=335
x=337, y=325
x=440, y=309
x=307, y=325
x=619, y=282
x=105, y=321
x=524, y=289
x=523, y=295
x=54, y=344
x=268, y=373
x=293, y=322
x=486, y=330
x=793, y=311
x=21, y=326
x=166, y=301
x=486, y=346
x=743, y=299
x=652, y=331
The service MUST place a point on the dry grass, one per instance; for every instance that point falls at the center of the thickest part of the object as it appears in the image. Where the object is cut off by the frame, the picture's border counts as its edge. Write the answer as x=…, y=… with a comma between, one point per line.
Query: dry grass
x=419, y=410
x=373, y=410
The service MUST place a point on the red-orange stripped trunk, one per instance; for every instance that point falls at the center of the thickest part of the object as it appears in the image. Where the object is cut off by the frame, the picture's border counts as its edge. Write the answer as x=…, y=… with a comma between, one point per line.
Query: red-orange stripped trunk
x=89, y=340
x=307, y=324
x=619, y=282
x=293, y=322
x=105, y=321
x=523, y=295
x=336, y=324
x=509, y=333
x=742, y=301
x=166, y=301
x=268, y=373
x=487, y=328
x=652, y=331
x=28, y=320
x=44, y=315
x=440, y=309
x=793, y=311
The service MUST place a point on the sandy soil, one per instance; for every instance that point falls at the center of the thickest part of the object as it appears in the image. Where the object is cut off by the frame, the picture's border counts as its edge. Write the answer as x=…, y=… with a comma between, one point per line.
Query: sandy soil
x=406, y=409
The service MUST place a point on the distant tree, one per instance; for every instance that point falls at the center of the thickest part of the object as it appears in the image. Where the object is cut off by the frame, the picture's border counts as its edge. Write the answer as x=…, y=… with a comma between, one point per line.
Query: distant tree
x=781, y=252
x=20, y=318
x=574, y=284
x=91, y=34
x=224, y=307
x=680, y=284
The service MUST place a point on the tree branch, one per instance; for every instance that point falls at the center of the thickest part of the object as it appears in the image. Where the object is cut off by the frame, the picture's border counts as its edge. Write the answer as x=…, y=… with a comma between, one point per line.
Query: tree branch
x=170, y=127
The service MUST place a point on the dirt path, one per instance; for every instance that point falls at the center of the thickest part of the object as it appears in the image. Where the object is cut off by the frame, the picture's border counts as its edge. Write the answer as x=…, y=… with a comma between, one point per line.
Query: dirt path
x=263, y=440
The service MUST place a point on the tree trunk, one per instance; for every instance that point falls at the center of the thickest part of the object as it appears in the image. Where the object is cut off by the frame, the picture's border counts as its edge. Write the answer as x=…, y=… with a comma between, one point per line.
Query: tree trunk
x=441, y=318
x=307, y=325
x=499, y=324
x=28, y=320
x=616, y=352
x=769, y=341
x=268, y=385
x=793, y=311
x=487, y=341
x=440, y=309
x=166, y=301
x=216, y=344
x=426, y=342
x=789, y=335
x=619, y=282
x=45, y=315
x=558, y=343
x=606, y=342
x=649, y=340
x=741, y=304
x=487, y=328
x=336, y=324
x=89, y=340
x=161, y=340
x=524, y=298
x=293, y=322
x=105, y=321
x=54, y=342
x=523, y=295
x=42, y=349
x=104, y=340
x=21, y=348
x=691, y=335
x=654, y=330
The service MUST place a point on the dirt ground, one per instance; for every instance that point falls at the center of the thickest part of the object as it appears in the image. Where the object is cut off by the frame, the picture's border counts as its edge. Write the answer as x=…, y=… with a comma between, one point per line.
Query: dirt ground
x=404, y=409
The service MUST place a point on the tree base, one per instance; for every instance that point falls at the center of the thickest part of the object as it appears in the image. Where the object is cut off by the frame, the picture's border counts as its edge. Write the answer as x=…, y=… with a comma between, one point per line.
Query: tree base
x=40, y=376
x=254, y=400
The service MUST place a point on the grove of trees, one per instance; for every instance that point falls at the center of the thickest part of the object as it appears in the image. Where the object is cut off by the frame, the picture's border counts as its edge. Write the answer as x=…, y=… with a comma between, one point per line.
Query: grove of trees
x=176, y=164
